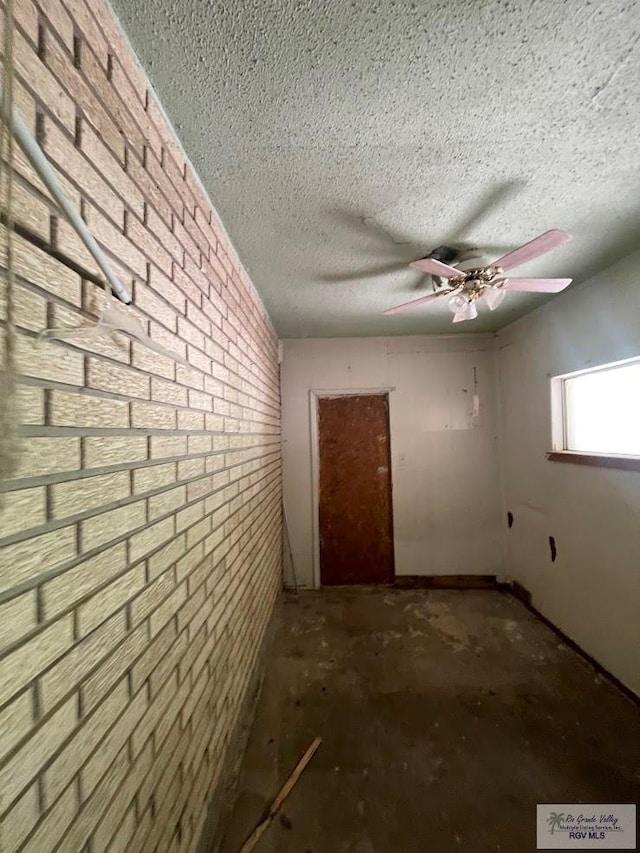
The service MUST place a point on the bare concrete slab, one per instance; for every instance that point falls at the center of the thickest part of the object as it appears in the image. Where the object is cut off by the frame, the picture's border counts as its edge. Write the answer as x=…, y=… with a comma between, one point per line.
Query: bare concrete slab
x=446, y=716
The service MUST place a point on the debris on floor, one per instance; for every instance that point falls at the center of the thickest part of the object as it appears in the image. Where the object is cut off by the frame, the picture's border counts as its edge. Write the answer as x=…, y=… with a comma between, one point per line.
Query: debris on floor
x=286, y=789
x=446, y=716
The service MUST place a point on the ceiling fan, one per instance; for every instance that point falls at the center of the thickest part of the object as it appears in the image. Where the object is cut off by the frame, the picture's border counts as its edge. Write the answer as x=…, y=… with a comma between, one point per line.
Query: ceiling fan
x=466, y=287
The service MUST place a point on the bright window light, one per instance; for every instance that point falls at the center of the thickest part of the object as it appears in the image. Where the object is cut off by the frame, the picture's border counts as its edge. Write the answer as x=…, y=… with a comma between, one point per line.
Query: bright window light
x=602, y=410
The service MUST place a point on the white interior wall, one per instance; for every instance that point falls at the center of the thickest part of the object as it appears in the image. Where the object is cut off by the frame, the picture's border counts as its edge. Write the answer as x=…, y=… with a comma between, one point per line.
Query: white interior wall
x=444, y=461
x=592, y=591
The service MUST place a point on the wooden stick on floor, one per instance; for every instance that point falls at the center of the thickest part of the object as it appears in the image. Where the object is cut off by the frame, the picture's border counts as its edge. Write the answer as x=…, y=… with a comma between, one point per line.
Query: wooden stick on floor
x=258, y=832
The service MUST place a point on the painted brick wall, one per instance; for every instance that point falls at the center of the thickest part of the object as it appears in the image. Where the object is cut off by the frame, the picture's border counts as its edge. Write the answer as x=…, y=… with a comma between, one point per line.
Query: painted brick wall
x=140, y=537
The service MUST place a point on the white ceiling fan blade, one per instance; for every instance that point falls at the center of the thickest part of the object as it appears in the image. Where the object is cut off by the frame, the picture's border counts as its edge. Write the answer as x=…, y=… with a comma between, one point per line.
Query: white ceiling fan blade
x=435, y=268
x=493, y=296
x=537, y=285
x=467, y=312
x=415, y=302
x=533, y=249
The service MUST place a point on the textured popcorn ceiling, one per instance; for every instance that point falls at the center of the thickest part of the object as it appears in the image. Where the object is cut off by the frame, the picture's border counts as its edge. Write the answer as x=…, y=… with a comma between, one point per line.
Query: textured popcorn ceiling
x=325, y=130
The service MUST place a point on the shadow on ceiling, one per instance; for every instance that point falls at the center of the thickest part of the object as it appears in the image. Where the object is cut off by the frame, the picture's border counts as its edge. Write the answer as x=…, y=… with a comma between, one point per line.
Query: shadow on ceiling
x=406, y=249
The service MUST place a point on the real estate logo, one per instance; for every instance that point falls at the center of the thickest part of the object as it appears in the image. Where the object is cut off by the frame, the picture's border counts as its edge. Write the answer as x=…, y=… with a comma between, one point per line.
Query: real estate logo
x=586, y=826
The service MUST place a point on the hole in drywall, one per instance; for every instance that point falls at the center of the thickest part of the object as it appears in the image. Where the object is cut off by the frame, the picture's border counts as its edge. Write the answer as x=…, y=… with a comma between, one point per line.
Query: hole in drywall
x=553, y=549
x=510, y=519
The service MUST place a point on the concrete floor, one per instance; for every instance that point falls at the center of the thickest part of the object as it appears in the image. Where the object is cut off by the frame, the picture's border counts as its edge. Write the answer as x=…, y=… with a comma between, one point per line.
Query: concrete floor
x=446, y=716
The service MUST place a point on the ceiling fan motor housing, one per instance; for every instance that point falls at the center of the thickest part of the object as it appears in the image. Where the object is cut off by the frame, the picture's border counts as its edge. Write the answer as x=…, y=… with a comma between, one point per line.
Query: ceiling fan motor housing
x=444, y=254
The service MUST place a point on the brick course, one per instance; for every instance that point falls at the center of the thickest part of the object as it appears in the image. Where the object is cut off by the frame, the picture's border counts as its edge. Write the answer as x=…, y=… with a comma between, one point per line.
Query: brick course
x=140, y=537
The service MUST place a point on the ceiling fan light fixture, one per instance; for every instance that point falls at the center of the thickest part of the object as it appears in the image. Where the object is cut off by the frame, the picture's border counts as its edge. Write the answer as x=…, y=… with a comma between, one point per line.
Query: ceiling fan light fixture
x=457, y=302
x=467, y=312
x=494, y=295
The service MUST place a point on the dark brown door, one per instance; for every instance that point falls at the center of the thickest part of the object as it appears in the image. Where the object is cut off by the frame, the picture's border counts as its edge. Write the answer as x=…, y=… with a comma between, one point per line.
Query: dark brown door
x=356, y=524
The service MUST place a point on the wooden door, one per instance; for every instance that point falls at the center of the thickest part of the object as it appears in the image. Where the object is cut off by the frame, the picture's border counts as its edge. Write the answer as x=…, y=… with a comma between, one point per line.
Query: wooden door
x=356, y=523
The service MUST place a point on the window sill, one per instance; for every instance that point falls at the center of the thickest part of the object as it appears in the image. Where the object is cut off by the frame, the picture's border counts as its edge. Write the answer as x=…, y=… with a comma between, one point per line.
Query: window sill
x=597, y=460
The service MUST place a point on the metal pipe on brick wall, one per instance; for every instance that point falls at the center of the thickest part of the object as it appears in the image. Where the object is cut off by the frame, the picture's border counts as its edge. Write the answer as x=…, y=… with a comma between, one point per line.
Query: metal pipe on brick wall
x=39, y=161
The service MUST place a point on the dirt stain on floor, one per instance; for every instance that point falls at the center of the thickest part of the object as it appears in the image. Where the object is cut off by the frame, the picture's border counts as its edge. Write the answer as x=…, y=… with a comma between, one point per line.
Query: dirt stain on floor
x=445, y=717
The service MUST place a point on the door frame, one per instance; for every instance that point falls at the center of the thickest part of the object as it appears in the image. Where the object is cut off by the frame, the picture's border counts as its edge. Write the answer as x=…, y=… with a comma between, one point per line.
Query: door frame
x=314, y=396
